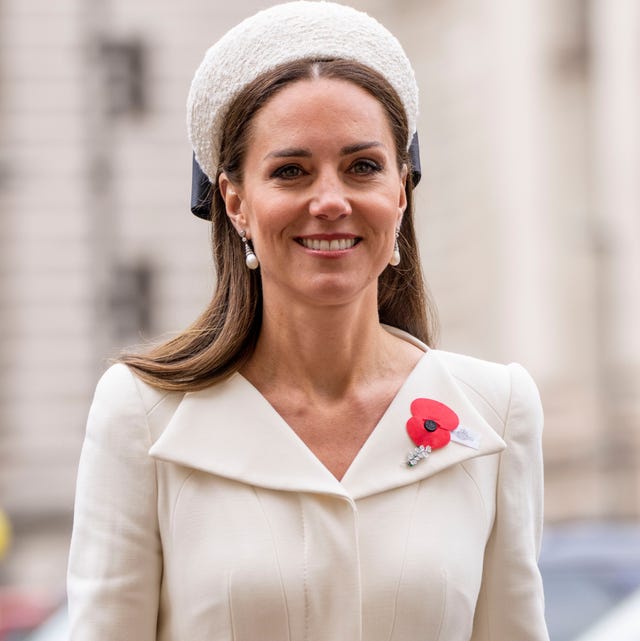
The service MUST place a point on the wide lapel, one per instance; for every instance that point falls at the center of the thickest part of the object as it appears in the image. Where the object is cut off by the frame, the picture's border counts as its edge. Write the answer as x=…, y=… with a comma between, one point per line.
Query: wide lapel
x=381, y=463
x=231, y=430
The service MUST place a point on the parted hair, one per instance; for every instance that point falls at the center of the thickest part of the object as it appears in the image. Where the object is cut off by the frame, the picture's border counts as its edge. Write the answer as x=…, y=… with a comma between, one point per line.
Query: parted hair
x=224, y=336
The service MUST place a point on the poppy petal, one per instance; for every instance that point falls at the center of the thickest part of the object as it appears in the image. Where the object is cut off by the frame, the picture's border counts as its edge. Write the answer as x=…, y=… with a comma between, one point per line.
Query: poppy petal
x=420, y=436
x=425, y=409
x=416, y=431
x=439, y=439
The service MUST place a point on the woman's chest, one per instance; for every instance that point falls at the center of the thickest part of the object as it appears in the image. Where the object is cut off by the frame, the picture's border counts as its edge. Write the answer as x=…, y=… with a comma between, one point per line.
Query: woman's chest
x=335, y=430
x=247, y=563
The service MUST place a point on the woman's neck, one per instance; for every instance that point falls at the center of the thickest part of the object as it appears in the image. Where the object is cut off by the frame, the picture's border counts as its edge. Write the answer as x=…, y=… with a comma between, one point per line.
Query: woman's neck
x=322, y=350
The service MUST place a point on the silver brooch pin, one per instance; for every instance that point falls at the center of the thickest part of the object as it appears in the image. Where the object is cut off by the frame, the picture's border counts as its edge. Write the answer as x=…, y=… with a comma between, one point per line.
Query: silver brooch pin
x=419, y=453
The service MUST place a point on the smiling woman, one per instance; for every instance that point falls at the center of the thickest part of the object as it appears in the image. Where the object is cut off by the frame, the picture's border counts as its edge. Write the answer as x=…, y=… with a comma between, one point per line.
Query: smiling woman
x=220, y=341
x=246, y=479
x=322, y=212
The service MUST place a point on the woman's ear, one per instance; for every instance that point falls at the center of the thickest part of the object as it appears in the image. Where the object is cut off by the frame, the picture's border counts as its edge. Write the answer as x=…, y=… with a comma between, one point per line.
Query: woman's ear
x=232, y=201
x=402, y=200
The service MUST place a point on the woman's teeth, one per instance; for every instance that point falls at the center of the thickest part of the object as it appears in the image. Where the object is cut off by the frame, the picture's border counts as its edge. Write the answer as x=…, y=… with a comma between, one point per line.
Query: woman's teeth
x=328, y=245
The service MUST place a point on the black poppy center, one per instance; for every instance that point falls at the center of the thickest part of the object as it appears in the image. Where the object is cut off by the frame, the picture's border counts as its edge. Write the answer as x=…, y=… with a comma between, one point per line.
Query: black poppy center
x=430, y=426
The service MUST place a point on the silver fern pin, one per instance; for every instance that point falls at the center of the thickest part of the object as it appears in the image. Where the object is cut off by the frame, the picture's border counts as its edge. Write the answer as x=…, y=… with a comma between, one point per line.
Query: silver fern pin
x=419, y=453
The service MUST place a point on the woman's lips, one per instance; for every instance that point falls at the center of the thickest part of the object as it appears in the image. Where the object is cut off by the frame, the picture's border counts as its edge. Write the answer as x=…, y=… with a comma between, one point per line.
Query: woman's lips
x=326, y=244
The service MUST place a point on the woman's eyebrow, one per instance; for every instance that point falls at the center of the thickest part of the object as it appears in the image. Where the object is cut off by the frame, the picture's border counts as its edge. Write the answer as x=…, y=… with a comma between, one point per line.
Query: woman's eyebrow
x=289, y=152
x=301, y=152
x=360, y=146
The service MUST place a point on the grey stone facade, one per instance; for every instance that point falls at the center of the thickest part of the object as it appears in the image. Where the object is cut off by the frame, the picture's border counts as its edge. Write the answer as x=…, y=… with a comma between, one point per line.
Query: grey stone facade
x=528, y=216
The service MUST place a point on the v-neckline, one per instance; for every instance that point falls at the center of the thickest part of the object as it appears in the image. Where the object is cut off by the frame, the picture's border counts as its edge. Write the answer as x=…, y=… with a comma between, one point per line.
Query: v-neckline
x=214, y=430
x=279, y=419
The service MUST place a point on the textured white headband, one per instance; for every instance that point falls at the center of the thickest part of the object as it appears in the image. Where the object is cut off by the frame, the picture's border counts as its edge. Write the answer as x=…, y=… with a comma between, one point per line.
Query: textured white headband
x=280, y=34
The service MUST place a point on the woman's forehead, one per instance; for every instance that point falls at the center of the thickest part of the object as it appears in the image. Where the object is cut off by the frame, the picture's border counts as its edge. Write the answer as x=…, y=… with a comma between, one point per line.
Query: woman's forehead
x=321, y=107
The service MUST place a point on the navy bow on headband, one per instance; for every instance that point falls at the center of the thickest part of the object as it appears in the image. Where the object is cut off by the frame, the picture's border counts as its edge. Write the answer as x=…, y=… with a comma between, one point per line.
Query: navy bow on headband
x=201, y=187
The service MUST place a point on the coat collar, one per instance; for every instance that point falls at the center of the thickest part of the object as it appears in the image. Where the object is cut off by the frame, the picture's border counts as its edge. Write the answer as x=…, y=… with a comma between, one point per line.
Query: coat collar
x=230, y=430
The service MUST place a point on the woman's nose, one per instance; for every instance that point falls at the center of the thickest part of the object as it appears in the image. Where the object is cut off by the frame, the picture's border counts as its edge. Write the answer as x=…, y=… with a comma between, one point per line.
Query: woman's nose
x=329, y=200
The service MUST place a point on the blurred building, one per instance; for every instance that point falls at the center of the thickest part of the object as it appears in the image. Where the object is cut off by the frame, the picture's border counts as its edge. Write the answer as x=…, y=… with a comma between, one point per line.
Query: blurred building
x=528, y=216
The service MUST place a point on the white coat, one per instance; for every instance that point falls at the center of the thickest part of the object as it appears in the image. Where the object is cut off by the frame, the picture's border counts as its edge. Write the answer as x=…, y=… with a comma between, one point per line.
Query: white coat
x=203, y=517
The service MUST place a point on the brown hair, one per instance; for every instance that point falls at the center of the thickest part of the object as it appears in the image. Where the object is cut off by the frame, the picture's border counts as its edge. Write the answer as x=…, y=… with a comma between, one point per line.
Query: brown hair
x=223, y=338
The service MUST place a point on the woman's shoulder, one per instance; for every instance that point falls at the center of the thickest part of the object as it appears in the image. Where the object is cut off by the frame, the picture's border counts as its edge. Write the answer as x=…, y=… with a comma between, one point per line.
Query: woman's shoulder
x=121, y=394
x=492, y=387
x=496, y=385
x=120, y=381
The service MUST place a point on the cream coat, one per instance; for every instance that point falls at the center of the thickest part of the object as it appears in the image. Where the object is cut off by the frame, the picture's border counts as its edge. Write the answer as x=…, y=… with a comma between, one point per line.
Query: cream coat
x=203, y=517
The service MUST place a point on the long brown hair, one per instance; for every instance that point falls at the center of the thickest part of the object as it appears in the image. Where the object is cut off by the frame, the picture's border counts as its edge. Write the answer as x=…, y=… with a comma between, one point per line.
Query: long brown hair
x=223, y=338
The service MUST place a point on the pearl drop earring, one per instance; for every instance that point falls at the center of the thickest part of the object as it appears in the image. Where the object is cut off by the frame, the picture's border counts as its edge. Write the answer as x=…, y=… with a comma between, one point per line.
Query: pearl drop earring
x=395, y=257
x=250, y=258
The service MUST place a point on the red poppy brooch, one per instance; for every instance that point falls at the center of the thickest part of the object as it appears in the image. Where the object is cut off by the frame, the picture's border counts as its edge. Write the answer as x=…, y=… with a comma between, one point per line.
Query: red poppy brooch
x=433, y=425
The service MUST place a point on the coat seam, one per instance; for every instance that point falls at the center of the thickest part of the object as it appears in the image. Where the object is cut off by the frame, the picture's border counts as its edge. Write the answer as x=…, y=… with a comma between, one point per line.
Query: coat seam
x=498, y=477
x=149, y=410
x=174, y=507
x=149, y=441
x=232, y=620
x=404, y=559
x=157, y=490
x=145, y=412
x=444, y=603
x=485, y=511
x=481, y=395
x=155, y=405
x=305, y=577
x=275, y=552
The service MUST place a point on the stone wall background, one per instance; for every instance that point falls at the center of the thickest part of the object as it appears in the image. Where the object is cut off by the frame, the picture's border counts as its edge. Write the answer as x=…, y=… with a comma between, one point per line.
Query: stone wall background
x=528, y=217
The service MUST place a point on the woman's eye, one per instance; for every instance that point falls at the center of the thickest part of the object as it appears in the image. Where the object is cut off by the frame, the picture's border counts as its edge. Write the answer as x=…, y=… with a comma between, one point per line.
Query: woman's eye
x=364, y=167
x=288, y=172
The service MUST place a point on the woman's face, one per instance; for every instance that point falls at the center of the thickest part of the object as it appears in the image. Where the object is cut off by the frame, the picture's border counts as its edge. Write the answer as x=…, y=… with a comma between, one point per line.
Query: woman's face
x=322, y=194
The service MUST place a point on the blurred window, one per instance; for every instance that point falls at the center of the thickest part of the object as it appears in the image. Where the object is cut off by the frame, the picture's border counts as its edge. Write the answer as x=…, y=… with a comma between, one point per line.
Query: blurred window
x=125, y=77
x=571, y=35
x=131, y=301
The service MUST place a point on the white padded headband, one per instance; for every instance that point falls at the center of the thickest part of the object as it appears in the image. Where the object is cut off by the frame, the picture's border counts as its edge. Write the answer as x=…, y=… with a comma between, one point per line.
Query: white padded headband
x=280, y=34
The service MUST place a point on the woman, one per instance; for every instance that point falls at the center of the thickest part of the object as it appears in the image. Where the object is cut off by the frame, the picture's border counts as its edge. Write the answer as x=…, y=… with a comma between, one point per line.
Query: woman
x=249, y=479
